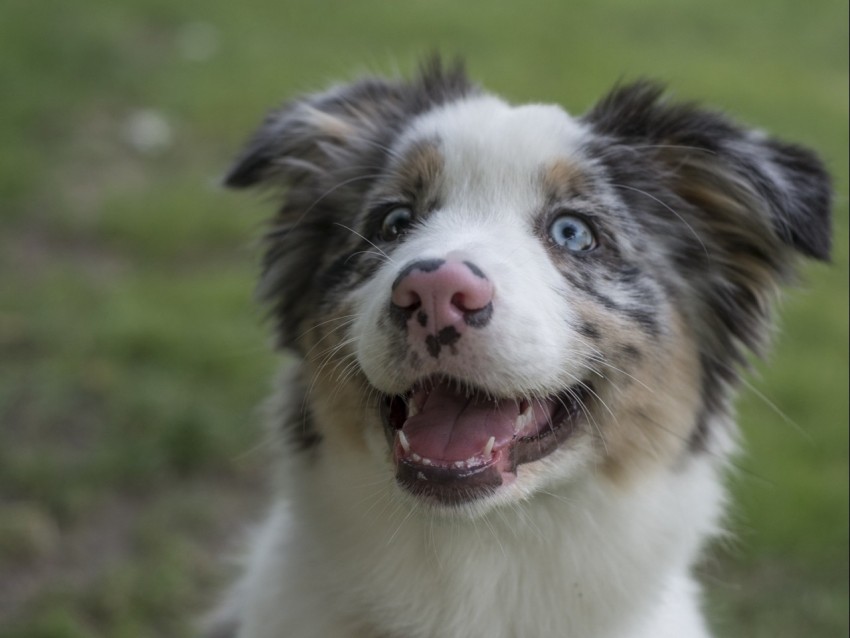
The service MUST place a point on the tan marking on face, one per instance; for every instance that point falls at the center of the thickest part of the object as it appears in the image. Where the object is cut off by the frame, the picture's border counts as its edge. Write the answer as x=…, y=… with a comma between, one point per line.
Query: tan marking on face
x=338, y=396
x=417, y=176
x=562, y=178
x=341, y=409
x=656, y=407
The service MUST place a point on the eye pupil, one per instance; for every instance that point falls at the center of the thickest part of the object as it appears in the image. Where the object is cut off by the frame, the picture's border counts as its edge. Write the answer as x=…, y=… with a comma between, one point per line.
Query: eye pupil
x=573, y=233
x=395, y=223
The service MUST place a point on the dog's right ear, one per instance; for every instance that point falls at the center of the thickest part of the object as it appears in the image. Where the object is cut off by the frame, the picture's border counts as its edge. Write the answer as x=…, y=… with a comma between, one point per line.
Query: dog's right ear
x=314, y=135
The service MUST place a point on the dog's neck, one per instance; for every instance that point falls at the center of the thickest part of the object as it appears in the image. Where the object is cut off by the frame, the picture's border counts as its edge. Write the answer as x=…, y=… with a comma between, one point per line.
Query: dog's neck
x=574, y=559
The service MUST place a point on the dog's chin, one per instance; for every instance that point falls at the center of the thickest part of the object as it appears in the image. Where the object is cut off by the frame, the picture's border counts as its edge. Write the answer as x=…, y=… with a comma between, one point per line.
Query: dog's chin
x=453, y=445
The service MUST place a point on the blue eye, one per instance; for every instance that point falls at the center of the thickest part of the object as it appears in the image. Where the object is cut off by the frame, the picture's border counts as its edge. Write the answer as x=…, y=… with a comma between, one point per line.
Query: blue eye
x=572, y=233
x=395, y=223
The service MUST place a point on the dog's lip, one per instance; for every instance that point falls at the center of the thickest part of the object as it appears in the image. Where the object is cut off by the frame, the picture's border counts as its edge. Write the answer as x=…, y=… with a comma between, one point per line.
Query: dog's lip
x=489, y=461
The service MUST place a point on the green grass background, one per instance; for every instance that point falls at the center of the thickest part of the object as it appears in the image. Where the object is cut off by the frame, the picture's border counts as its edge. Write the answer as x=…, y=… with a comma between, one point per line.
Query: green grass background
x=132, y=357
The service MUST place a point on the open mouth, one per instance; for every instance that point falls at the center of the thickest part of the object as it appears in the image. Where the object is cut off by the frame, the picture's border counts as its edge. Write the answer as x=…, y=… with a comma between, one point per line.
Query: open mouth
x=453, y=444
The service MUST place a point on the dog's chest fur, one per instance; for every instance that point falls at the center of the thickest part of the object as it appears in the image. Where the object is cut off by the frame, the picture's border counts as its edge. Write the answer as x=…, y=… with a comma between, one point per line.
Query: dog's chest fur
x=366, y=569
x=516, y=334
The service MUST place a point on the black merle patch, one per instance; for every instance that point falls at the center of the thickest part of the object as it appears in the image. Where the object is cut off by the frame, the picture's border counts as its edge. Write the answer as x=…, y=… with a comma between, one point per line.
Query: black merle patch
x=448, y=336
x=587, y=329
x=643, y=316
x=401, y=316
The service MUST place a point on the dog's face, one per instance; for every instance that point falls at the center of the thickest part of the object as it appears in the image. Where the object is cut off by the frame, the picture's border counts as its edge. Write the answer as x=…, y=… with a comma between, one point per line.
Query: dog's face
x=506, y=322
x=490, y=299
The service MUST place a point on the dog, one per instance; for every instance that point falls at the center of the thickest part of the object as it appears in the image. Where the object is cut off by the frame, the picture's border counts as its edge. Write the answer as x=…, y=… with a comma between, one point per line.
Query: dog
x=514, y=340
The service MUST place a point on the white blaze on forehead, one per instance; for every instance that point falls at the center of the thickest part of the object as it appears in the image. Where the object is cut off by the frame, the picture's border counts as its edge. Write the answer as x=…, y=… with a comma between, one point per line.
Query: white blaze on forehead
x=493, y=152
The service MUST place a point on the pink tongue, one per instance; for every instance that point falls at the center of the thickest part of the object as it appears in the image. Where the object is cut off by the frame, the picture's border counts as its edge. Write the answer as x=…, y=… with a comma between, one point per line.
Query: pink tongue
x=450, y=427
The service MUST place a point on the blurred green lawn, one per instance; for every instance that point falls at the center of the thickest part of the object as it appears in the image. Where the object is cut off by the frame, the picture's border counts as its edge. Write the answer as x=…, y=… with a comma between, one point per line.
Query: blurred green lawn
x=132, y=357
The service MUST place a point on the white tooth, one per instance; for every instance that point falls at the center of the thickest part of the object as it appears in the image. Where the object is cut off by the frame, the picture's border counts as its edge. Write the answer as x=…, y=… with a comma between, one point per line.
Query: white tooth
x=524, y=419
x=426, y=461
x=412, y=408
x=416, y=457
x=520, y=421
x=488, y=449
x=405, y=444
x=460, y=464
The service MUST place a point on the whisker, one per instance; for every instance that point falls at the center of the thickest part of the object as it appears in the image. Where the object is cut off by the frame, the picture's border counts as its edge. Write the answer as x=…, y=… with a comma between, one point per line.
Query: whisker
x=398, y=529
x=777, y=410
x=293, y=225
x=669, y=208
x=370, y=242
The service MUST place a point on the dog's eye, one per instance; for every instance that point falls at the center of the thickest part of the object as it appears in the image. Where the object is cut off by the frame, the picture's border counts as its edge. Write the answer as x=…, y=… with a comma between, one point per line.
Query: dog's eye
x=395, y=223
x=572, y=233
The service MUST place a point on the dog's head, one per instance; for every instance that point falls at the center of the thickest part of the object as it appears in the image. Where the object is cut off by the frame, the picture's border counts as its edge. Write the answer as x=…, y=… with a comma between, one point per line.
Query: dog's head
x=490, y=299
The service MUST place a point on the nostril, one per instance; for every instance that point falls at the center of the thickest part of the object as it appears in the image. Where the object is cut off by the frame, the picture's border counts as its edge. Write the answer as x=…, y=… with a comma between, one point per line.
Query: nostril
x=407, y=293
x=472, y=295
x=406, y=299
x=461, y=301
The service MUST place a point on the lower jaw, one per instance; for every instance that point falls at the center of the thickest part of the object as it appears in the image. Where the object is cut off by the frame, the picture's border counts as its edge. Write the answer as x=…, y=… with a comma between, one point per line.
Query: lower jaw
x=447, y=487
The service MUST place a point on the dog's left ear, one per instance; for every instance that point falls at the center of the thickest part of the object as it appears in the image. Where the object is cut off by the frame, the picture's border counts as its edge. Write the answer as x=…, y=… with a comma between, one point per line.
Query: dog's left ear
x=713, y=163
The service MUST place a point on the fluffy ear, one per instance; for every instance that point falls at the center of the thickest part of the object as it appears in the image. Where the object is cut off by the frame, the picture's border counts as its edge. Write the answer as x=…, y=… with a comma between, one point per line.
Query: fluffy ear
x=306, y=135
x=732, y=206
x=314, y=134
x=714, y=160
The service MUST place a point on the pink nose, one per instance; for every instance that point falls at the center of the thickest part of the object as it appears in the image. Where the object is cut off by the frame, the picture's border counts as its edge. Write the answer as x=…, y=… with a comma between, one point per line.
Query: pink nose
x=433, y=294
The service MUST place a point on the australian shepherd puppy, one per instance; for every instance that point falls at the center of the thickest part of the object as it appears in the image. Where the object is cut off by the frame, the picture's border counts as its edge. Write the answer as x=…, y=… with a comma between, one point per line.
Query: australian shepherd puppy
x=514, y=338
